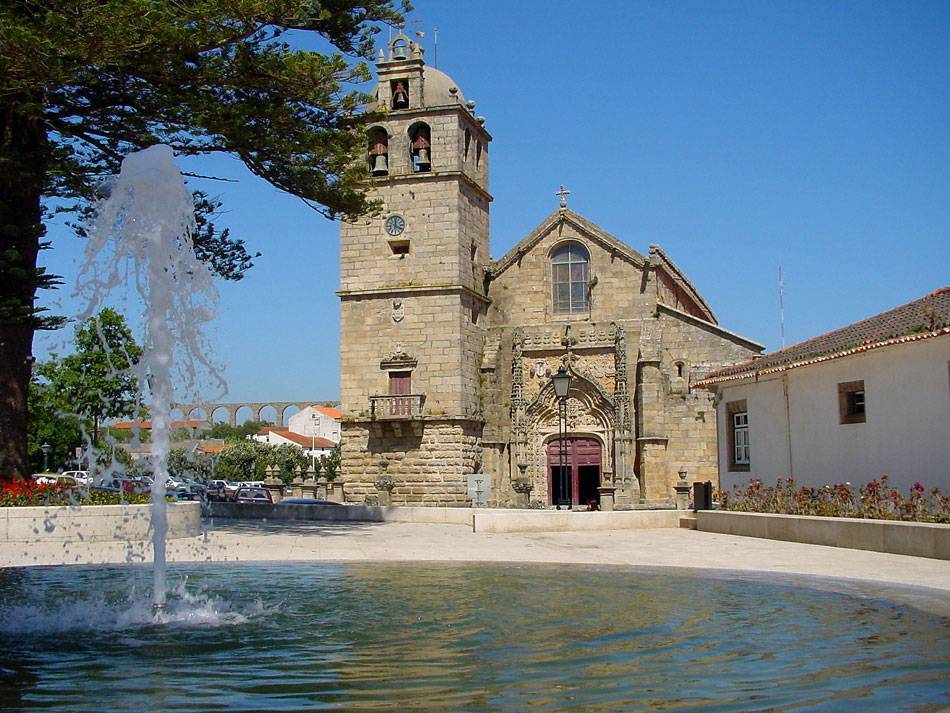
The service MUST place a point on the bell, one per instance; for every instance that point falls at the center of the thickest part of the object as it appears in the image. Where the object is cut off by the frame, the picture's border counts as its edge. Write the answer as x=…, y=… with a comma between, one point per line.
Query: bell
x=423, y=160
x=380, y=165
x=399, y=51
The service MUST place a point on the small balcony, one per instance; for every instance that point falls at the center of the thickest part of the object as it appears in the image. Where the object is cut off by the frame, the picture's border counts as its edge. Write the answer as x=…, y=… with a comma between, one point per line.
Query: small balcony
x=404, y=407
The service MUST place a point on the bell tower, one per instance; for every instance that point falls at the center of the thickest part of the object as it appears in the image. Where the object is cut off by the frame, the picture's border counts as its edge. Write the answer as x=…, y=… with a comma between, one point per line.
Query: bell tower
x=412, y=292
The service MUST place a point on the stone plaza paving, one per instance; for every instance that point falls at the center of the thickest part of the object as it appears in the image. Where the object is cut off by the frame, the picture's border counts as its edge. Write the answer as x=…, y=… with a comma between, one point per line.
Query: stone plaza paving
x=920, y=582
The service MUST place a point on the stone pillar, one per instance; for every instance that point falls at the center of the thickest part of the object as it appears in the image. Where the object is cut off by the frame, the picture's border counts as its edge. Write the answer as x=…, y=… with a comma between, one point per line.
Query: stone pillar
x=323, y=489
x=606, y=497
x=682, y=491
x=335, y=492
x=308, y=487
x=297, y=483
x=384, y=489
x=273, y=484
x=522, y=488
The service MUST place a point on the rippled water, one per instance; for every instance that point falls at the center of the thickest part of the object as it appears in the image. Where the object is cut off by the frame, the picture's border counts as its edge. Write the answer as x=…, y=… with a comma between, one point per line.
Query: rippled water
x=407, y=637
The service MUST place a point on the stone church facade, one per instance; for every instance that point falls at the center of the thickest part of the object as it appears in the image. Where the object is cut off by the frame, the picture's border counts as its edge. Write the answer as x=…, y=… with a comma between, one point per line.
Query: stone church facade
x=447, y=356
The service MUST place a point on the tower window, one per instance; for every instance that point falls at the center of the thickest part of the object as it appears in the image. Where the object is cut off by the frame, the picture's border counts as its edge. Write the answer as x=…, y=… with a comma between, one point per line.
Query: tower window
x=378, y=151
x=400, y=94
x=680, y=369
x=570, y=273
x=468, y=141
x=399, y=247
x=419, y=147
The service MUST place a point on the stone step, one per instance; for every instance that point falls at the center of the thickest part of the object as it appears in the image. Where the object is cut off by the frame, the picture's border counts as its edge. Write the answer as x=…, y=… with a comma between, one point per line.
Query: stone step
x=688, y=521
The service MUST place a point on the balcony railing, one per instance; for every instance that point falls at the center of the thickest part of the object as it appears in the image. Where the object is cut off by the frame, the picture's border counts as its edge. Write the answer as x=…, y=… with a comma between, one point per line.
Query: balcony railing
x=404, y=407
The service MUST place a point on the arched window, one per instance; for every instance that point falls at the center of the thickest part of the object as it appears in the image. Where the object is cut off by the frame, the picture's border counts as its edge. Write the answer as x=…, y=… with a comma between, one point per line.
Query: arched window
x=570, y=273
x=419, y=147
x=378, y=151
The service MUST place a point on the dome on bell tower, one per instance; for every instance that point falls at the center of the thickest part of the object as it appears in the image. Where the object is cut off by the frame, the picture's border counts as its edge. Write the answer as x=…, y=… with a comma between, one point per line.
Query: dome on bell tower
x=439, y=89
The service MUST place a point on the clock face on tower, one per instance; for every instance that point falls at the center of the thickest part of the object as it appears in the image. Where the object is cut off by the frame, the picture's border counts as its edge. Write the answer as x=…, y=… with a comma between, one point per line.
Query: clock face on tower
x=395, y=224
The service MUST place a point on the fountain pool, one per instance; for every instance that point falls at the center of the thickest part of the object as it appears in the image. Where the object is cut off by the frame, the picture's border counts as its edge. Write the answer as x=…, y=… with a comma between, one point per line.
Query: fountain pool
x=439, y=637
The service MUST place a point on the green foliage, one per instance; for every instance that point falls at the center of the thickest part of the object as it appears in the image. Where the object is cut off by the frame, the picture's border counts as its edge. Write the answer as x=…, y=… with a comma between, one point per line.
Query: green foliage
x=248, y=460
x=331, y=463
x=83, y=84
x=49, y=425
x=242, y=461
x=97, y=381
x=227, y=432
x=288, y=458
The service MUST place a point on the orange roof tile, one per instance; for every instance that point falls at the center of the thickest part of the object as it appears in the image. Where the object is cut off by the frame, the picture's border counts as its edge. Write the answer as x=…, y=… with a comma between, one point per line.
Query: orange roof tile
x=303, y=440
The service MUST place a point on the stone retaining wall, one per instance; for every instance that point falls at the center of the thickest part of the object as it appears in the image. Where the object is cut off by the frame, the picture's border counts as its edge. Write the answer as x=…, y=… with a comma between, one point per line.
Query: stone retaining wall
x=87, y=523
x=480, y=520
x=342, y=513
x=918, y=539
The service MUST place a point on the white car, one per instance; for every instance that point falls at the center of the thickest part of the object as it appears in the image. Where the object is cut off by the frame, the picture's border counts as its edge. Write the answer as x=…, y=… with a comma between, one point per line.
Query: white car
x=81, y=476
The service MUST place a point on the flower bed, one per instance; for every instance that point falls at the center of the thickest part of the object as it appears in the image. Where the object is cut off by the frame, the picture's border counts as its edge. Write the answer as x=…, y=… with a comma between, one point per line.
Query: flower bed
x=29, y=493
x=877, y=500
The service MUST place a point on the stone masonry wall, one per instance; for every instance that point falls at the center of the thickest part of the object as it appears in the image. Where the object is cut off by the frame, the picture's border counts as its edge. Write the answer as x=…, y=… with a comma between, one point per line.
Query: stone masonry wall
x=430, y=331
x=429, y=461
x=521, y=295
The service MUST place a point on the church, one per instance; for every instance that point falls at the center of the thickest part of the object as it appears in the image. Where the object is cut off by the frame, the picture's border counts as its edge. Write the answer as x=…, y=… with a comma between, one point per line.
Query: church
x=448, y=358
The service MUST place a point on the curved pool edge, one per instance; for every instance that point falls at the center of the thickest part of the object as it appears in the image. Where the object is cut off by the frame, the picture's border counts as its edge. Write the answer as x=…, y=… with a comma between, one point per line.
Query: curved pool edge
x=920, y=582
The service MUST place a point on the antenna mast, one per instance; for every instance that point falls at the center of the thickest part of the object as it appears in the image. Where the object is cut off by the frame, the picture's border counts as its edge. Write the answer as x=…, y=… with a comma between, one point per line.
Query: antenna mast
x=781, y=304
x=435, y=46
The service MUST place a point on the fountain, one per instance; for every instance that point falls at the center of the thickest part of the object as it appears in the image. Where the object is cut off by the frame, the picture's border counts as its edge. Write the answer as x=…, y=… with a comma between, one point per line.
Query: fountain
x=142, y=236
x=410, y=636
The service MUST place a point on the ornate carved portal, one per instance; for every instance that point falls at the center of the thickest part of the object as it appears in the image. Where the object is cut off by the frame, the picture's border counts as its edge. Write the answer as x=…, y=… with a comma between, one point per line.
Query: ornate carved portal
x=598, y=406
x=589, y=418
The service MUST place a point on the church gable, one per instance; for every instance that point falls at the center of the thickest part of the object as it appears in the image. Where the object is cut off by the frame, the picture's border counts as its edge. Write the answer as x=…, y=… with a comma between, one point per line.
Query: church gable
x=568, y=269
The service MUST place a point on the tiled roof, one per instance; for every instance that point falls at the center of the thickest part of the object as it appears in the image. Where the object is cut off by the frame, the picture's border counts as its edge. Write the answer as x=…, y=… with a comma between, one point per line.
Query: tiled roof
x=927, y=317
x=302, y=440
x=210, y=447
x=330, y=411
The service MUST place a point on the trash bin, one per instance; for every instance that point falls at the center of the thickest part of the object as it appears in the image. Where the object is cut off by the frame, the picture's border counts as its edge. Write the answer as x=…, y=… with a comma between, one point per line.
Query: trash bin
x=702, y=496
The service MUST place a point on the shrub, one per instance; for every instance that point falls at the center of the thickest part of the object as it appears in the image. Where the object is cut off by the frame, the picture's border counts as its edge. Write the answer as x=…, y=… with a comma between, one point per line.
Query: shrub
x=28, y=493
x=876, y=500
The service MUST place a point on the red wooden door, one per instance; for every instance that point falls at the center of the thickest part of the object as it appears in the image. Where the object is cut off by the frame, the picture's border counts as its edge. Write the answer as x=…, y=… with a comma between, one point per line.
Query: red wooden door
x=400, y=384
x=583, y=457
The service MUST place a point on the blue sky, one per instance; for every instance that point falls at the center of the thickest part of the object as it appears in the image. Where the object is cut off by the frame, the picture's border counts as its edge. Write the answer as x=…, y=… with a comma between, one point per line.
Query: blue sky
x=738, y=136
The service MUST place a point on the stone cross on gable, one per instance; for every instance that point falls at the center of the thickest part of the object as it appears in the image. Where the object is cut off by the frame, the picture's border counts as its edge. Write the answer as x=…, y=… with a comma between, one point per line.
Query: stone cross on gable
x=563, y=193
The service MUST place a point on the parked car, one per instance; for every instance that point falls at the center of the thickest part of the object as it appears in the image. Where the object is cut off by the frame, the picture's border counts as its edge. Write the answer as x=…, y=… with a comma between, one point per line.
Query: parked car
x=122, y=485
x=183, y=494
x=307, y=501
x=82, y=476
x=253, y=495
x=56, y=479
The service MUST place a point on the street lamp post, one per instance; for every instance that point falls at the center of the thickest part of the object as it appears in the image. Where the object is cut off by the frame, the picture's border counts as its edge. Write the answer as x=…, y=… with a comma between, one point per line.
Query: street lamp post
x=562, y=386
x=314, y=422
x=46, y=448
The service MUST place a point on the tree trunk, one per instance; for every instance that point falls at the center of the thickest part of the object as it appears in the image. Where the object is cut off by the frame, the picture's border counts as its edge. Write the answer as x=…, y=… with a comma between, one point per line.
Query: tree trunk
x=23, y=162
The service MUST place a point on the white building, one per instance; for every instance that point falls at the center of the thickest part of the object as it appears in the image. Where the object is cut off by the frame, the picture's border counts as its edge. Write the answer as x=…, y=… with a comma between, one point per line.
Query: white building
x=868, y=399
x=319, y=421
x=315, y=429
